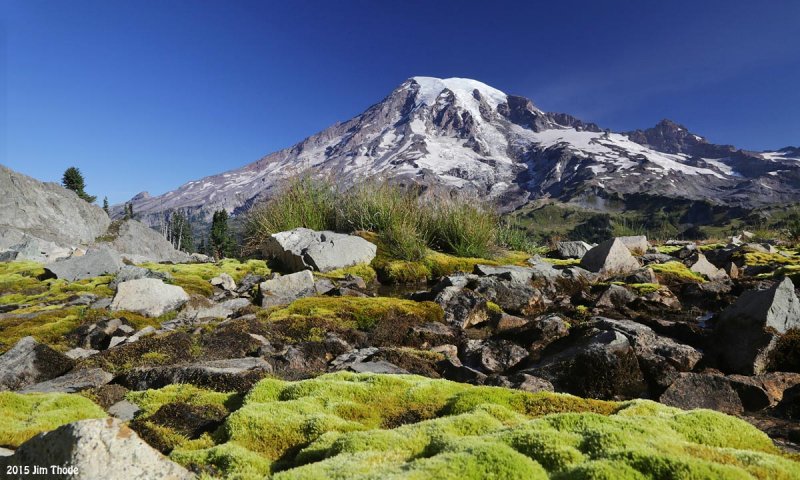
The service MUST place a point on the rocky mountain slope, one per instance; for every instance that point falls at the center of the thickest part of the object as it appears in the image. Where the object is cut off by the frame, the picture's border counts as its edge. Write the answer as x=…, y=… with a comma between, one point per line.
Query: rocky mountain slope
x=462, y=134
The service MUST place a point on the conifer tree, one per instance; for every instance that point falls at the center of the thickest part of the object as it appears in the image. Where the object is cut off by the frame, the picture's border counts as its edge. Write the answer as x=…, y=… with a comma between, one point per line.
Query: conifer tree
x=73, y=180
x=221, y=240
x=105, y=205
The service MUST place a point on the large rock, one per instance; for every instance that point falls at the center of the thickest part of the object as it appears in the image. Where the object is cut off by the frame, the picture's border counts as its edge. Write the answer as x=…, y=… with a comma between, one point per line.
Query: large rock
x=700, y=390
x=101, y=448
x=637, y=244
x=148, y=296
x=29, y=362
x=610, y=258
x=462, y=307
x=132, y=272
x=235, y=374
x=572, y=249
x=139, y=243
x=47, y=211
x=747, y=331
x=493, y=356
x=287, y=288
x=74, y=381
x=18, y=245
x=94, y=263
x=302, y=248
x=700, y=264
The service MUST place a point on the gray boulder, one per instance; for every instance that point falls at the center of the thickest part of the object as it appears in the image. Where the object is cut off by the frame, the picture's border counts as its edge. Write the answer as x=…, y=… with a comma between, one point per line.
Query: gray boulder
x=700, y=264
x=94, y=263
x=29, y=362
x=637, y=244
x=747, y=331
x=148, y=296
x=287, y=288
x=462, y=307
x=573, y=249
x=139, y=243
x=100, y=448
x=302, y=248
x=610, y=258
x=493, y=356
x=224, y=281
x=131, y=272
x=701, y=390
x=506, y=272
x=18, y=245
x=235, y=374
x=74, y=381
x=615, y=296
x=47, y=211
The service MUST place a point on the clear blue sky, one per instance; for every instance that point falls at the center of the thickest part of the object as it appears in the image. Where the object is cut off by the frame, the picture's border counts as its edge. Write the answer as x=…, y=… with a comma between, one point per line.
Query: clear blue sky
x=145, y=95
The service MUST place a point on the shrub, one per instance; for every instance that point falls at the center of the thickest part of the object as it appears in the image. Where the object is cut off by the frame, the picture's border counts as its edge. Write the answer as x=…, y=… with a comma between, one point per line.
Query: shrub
x=463, y=229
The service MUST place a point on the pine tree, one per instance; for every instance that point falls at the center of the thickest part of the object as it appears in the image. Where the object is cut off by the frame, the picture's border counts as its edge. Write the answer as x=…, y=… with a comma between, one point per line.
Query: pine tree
x=105, y=205
x=221, y=240
x=73, y=180
x=128, y=210
x=178, y=230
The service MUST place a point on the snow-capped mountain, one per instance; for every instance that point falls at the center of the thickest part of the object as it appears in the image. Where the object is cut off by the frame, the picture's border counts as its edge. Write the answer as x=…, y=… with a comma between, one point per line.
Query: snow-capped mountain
x=463, y=134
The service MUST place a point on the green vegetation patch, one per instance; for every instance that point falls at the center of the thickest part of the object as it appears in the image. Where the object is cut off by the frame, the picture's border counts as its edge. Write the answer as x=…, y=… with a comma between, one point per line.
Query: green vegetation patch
x=770, y=259
x=20, y=285
x=644, y=288
x=364, y=271
x=668, y=249
x=676, y=272
x=436, y=264
x=348, y=425
x=25, y=415
x=357, y=312
x=563, y=262
x=195, y=277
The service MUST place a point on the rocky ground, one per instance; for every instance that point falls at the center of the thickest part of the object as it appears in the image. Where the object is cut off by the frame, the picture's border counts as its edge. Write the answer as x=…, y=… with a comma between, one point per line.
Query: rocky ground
x=122, y=358
x=311, y=365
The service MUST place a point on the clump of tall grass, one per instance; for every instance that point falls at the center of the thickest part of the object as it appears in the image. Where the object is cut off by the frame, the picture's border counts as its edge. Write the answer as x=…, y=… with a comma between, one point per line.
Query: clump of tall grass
x=407, y=222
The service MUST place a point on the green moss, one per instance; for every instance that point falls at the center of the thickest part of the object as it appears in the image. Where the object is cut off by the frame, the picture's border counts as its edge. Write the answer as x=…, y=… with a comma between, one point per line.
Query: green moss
x=364, y=271
x=668, y=249
x=347, y=425
x=563, y=262
x=25, y=415
x=494, y=308
x=645, y=288
x=770, y=259
x=151, y=400
x=357, y=312
x=676, y=272
x=712, y=246
x=195, y=277
x=20, y=285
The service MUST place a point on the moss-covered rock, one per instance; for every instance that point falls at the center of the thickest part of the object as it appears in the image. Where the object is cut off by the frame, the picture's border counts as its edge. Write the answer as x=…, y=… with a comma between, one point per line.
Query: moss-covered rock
x=676, y=272
x=195, y=277
x=401, y=426
x=25, y=415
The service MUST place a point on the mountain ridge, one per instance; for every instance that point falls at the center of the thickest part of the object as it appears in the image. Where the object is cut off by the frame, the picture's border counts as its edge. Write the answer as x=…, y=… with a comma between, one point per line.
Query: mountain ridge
x=461, y=134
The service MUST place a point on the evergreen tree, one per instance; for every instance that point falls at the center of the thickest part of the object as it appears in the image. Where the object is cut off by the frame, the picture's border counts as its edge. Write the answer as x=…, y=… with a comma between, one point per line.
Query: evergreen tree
x=128, y=211
x=105, y=205
x=73, y=180
x=221, y=240
x=178, y=230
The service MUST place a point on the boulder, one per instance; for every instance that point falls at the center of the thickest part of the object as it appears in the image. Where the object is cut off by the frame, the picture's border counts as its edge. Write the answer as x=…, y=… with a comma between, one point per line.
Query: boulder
x=148, y=296
x=701, y=390
x=507, y=272
x=224, y=281
x=747, y=331
x=18, y=245
x=287, y=288
x=610, y=258
x=637, y=244
x=98, y=335
x=376, y=366
x=572, y=249
x=615, y=296
x=592, y=363
x=200, y=258
x=124, y=410
x=493, y=356
x=132, y=272
x=512, y=296
x=47, y=211
x=650, y=258
x=29, y=362
x=100, y=448
x=643, y=275
x=236, y=374
x=202, y=309
x=463, y=308
x=139, y=243
x=94, y=263
x=302, y=248
x=74, y=381
x=699, y=264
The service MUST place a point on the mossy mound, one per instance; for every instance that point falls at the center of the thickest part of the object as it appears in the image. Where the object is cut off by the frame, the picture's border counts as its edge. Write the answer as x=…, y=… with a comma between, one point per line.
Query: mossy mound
x=347, y=425
x=758, y=259
x=20, y=285
x=676, y=272
x=364, y=271
x=194, y=277
x=357, y=312
x=25, y=415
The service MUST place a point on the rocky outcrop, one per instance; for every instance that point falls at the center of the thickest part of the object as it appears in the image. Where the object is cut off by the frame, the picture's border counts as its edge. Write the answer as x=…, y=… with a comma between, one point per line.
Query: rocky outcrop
x=101, y=448
x=748, y=330
x=287, y=288
x=148, y=296
x=29, y=362
x=235, y=374
x=94, y=263
x=302, y=249
x=38, y=220
x=74, y=381
x=139, y=243
x=610, y=258
x=576, y=249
